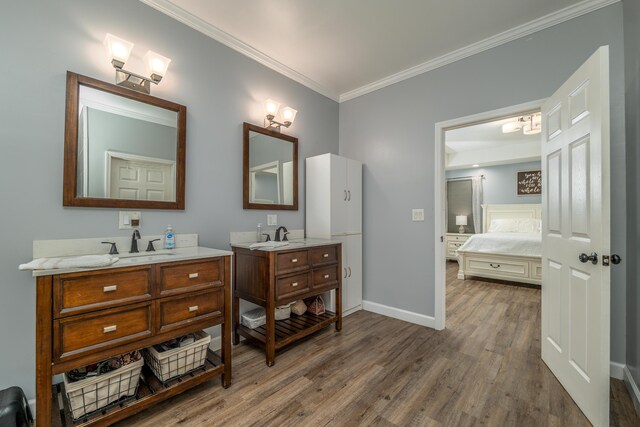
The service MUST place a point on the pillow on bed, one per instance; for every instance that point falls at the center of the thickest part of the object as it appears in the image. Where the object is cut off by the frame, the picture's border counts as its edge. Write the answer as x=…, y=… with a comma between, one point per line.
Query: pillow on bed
x=515, y=225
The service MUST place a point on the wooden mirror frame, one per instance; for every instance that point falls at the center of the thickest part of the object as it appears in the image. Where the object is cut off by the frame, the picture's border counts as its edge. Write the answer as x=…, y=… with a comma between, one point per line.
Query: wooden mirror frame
x=246, y=204
x=69, y=193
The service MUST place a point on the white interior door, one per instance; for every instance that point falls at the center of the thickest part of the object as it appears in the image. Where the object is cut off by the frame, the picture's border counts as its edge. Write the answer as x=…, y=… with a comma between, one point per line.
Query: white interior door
x=576, y=294
x=339, y=195
x=136, y=180
x=354, y=197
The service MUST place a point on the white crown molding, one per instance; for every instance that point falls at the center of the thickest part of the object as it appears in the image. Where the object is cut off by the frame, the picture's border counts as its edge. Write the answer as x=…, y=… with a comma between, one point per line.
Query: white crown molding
x=523, y=30
x=181, y=15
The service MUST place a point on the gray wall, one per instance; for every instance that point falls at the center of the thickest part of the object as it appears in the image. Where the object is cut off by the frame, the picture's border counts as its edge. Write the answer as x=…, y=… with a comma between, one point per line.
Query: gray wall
x=632, y=263
x=392, y=131
x=499, y=183
x=113, y=132
x=221, y=89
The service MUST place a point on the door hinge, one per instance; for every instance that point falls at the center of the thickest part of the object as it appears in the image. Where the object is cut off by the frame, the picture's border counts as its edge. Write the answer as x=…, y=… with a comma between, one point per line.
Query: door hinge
x=441, y=239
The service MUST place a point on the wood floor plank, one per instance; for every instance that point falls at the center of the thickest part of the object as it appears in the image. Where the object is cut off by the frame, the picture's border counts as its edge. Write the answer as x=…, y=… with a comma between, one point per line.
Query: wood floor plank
x=484, y=369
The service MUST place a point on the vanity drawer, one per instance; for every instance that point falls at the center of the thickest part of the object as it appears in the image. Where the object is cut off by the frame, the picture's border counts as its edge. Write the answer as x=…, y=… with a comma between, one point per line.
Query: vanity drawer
x=291, y=286
x=323, y=255
x=81, y=292
x=179, y=311
x=289, y=262
x=189, y=276
x=325, y=277
x=90, y=332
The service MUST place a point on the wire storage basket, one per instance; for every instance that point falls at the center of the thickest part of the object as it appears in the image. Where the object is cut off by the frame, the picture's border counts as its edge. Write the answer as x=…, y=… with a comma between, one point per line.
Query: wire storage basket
x=94, y=393
x=169, y=364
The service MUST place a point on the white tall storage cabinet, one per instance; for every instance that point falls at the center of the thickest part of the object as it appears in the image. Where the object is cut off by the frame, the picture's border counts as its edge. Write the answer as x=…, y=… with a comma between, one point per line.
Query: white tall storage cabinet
x=334, y=211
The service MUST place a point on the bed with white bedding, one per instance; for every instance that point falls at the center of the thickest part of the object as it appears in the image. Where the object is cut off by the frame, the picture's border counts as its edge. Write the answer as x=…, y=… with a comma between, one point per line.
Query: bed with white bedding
x=509, y=248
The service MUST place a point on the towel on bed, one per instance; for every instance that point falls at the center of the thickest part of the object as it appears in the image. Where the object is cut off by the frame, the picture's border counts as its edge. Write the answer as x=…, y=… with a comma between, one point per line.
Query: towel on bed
x=84, y=261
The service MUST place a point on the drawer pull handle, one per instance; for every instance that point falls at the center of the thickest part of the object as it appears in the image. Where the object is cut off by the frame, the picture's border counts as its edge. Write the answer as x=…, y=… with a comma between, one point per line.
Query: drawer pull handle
x=325, y=255
x=349, y=271
x=193, y=275
x=326, y=276
x=294, y=260
x=345, y=273
x=111, y=328
x=294, y=284
x=111, y=288
x=495, y=265
x=193, y=308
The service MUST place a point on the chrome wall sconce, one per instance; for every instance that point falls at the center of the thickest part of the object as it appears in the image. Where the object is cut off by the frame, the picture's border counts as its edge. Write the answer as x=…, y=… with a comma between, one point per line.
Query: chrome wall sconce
x=274, y=120
x=118, y=51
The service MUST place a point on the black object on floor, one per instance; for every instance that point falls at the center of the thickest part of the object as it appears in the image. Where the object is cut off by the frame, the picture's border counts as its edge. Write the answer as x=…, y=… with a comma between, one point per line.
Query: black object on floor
x=14, y=408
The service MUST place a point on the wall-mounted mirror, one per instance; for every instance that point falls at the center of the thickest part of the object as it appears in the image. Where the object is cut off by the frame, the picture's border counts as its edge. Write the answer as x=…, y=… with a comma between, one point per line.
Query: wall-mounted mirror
x=270, y=169
x=123, y=148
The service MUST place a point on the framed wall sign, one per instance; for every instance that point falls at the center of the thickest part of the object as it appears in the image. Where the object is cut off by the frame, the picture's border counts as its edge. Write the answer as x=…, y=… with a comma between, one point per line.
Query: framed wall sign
x=529, y=183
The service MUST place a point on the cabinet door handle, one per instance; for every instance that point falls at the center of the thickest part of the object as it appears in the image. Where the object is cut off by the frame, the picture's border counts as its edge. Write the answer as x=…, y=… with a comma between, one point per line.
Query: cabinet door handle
x=294, y=260
x=349, y=271
x=349, y=199
x=110, y=288
x=326, y=276
x=193, y=308
x=345, y=195
x=325, y=255
x=193, y=275
x=345, y=273
x=111, y=328
x=294, y=284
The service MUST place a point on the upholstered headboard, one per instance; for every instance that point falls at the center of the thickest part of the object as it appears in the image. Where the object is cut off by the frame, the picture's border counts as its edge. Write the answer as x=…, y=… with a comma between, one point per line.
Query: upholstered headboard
x=490, y=212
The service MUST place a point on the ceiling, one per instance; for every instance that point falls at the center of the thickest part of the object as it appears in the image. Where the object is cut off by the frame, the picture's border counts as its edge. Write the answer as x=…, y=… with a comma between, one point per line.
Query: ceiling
x=484, y=136
x=346, y=48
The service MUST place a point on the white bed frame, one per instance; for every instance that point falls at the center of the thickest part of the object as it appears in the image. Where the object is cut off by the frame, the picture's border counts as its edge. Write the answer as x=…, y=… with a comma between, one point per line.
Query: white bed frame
x=515, y=268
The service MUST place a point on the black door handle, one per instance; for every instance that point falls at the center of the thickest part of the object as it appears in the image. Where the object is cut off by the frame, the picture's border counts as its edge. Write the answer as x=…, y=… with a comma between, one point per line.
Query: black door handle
x=615, y=259
x=593, y=258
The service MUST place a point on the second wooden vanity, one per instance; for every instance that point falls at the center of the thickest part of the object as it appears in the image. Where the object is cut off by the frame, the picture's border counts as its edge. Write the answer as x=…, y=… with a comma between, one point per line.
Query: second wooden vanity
x=275, y=277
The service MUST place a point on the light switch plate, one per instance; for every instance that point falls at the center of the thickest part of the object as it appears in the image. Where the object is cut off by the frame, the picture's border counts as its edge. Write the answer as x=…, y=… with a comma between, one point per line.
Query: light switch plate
x=272, y=220
x=125, y=218
x=417, y=214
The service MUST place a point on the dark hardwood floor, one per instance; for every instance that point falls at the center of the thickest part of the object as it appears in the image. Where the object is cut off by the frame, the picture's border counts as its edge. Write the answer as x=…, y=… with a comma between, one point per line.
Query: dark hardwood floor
x=484, y=369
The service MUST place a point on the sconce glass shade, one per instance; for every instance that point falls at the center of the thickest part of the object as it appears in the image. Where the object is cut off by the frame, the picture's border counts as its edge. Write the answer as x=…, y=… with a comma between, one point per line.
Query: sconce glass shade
x=288, y=115
x=118, y=50
x=271, y=108
x=511, y=127
x=156, y=65
x=461, y=220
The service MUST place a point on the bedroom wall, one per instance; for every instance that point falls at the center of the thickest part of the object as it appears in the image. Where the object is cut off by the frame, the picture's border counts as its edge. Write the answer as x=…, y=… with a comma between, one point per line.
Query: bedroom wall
x=220, y=87
x=392, y=131
x=632, y=103
x=499, y=183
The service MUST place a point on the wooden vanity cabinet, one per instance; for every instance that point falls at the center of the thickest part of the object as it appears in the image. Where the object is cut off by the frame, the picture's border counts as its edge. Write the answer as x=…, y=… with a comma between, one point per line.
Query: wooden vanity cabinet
x=89, y=316
x=274, y=278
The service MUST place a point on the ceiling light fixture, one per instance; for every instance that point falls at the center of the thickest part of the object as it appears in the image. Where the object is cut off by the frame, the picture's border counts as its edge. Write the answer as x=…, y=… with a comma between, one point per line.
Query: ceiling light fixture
x=475, y=166
x=118, y=51
x=530, y=125
x=273, y=119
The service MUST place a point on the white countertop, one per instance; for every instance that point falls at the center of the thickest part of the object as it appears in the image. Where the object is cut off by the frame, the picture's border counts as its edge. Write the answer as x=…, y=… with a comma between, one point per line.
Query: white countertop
x=293, y=244
x=144, y=258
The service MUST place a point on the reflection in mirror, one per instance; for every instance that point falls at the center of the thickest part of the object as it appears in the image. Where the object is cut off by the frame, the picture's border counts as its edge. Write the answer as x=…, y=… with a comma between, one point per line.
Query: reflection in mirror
x=122, y=148
x=126, y=149
x=270, y=169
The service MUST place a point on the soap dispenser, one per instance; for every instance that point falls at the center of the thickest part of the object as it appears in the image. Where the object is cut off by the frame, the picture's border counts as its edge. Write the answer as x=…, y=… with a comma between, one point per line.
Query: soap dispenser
x=169, y=238
x=259, y=233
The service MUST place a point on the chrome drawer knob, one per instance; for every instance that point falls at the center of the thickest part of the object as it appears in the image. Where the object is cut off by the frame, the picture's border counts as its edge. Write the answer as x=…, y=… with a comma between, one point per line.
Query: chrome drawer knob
x=193, y=275
x=110, y=288
x=193, y=308
x=108, y=329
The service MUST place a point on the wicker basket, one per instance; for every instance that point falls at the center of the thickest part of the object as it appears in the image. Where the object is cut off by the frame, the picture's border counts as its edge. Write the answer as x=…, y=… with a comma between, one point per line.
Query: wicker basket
x=173, y=363
x=94, y=393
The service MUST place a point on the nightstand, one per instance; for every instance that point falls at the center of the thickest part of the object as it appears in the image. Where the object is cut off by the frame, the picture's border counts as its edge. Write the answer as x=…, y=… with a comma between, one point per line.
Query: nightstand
x=454, y=241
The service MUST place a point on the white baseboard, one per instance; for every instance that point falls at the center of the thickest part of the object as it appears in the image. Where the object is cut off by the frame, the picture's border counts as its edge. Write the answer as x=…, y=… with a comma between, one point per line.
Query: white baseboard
x=616, y=370
x=632, y=387
x=351, y=310
x=398, y=313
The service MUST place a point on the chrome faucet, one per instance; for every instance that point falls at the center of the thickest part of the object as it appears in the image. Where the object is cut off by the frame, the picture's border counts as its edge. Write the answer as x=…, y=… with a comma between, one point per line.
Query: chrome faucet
x=134, y=242
x=277, y=237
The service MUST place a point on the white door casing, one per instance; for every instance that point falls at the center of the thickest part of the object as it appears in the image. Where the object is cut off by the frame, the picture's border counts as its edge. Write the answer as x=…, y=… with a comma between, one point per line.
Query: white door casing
x=576, y=220
x=134, y=177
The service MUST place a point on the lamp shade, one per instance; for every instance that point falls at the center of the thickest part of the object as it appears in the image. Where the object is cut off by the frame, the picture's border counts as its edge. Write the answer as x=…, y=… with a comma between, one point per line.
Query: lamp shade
x=461, y=220
x=271, y=107
x=288, y=115
x=156, y=65
x=118, y=50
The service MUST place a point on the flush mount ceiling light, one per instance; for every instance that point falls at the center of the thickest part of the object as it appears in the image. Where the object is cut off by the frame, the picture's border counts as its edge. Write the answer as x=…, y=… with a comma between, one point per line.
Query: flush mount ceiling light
x=530, y=125
x=118, y=51
x=276, y=117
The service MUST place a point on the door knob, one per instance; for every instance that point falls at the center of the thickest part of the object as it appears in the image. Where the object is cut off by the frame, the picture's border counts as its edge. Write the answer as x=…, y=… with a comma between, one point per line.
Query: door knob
x=615, y=259
x=593, y=258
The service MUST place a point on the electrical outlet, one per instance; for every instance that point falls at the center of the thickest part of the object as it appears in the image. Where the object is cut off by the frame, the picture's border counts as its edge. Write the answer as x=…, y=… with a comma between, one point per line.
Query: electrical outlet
x=417, y=214
x=129, y=219
x=272, y=220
